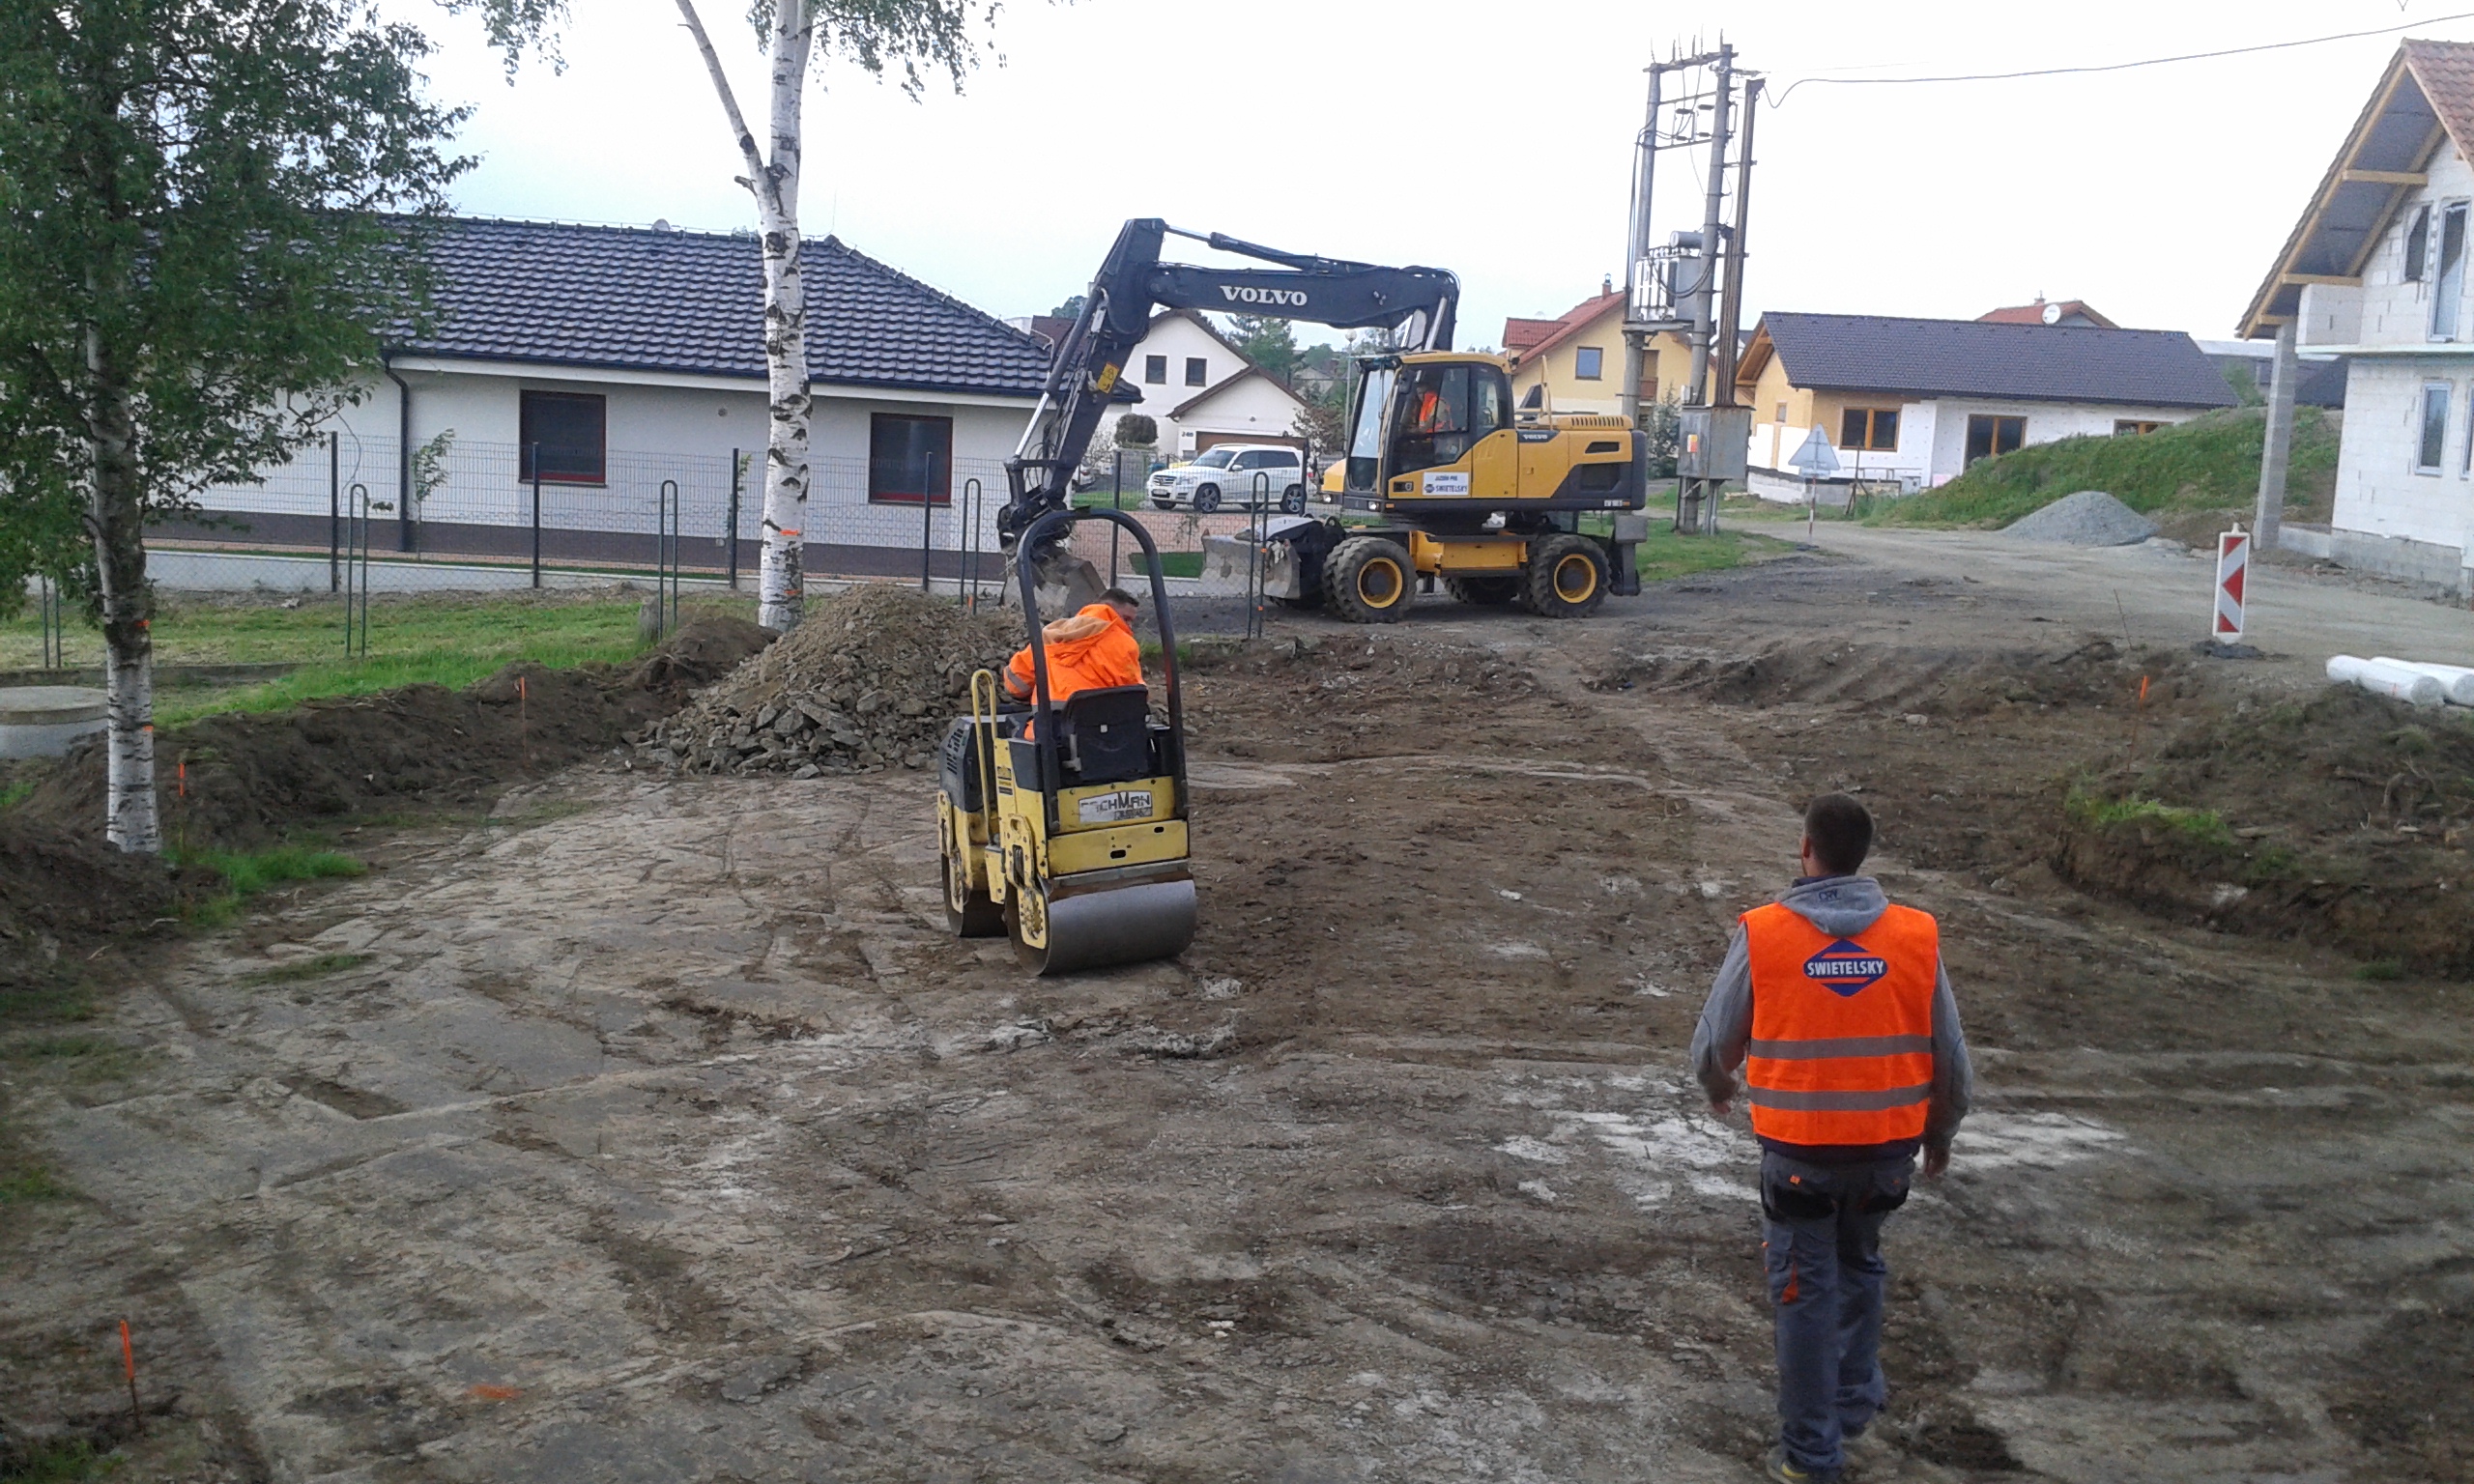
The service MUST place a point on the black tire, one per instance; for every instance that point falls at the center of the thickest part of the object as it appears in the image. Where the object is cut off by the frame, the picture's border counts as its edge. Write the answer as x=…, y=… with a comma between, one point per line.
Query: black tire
x=1369, y=580
x=1293, y=502
x=977, y=917
x=1567, y=578
x=1484, y=591
x=1207, y=500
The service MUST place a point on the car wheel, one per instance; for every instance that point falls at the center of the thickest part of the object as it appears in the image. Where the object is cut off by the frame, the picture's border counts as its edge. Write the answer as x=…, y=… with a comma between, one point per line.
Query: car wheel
x=1207, y=500
x=1294, y=502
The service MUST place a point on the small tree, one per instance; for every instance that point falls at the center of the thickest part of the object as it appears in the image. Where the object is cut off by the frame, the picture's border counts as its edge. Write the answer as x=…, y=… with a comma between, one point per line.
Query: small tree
x=1269, y=342
x=192, y=265
x=1137, y=430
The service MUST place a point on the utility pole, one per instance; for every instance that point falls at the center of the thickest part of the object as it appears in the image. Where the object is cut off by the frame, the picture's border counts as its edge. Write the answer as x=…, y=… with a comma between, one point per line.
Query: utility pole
x=1696, y=507
x=1636, y=332
x=2278, y=446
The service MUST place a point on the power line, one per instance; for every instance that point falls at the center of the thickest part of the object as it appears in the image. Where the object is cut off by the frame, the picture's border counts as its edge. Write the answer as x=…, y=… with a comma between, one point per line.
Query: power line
x=2119, y=67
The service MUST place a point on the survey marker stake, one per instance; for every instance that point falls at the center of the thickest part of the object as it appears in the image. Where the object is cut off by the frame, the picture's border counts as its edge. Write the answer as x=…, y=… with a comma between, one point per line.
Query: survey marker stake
x=129, y=1363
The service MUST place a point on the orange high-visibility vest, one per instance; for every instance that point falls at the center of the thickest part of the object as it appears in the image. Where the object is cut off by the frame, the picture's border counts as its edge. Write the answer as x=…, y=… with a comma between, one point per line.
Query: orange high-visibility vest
x=1842, y=1028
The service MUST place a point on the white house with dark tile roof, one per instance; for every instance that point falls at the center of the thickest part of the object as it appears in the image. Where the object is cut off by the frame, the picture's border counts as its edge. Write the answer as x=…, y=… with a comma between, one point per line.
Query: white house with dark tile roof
x=2375, y=272
x=632, y=360
x=1202, y=389
x=1913, y=401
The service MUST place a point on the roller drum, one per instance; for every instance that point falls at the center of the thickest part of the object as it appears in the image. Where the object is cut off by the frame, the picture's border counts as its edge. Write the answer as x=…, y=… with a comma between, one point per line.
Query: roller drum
x=1126, y=924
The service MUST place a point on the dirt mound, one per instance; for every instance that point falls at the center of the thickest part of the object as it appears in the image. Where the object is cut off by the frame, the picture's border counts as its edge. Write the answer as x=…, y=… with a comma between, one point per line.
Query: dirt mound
x=2088, y=518
x=2344, y=819
x=239, y=781
x=1947, y=683
x=868, y=679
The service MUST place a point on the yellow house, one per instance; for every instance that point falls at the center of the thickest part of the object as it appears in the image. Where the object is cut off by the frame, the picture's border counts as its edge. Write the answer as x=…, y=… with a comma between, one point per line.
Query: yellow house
x=1575, y=363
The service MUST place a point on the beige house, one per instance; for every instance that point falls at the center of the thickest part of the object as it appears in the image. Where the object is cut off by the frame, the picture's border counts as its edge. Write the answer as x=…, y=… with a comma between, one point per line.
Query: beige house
x=1574, y=363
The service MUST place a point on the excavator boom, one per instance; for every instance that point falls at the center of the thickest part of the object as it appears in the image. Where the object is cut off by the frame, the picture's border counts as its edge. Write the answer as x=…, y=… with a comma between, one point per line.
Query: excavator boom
x=1416, y=304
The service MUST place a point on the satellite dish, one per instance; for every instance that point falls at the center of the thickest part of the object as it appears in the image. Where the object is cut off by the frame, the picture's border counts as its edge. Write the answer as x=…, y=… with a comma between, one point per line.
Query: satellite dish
x=2053, y=314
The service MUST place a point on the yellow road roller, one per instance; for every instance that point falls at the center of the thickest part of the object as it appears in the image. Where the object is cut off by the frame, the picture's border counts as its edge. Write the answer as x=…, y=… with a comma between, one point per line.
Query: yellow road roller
x=1064, y=826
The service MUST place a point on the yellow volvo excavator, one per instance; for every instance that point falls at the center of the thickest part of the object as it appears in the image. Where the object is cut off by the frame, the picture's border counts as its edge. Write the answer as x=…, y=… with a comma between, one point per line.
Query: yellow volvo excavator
x=1450, y=484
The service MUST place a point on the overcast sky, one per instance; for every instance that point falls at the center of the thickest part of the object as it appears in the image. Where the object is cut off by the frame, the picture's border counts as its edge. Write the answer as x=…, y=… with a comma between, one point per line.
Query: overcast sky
x=1494, y=140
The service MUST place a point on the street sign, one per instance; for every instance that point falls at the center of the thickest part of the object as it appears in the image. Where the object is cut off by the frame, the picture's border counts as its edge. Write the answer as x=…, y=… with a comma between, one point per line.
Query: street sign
x=1815, y=458
x=2232, y=571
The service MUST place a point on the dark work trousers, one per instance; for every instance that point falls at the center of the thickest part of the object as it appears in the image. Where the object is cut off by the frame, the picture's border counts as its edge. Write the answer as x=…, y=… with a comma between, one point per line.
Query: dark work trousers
x=1821, y=1238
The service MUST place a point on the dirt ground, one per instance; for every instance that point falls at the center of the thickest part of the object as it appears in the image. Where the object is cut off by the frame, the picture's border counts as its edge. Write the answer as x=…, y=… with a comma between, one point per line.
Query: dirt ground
x=655, y=1129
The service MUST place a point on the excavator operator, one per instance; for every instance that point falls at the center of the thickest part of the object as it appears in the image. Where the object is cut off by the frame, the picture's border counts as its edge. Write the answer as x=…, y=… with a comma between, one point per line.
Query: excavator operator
x=1094, y=648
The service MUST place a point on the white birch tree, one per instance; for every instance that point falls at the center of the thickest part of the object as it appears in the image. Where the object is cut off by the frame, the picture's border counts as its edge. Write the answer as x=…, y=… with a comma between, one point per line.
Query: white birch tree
x=795, y=33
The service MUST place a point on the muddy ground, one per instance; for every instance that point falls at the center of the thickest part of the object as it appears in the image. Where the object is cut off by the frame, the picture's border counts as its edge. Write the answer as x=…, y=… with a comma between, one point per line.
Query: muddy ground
x=654, y=1130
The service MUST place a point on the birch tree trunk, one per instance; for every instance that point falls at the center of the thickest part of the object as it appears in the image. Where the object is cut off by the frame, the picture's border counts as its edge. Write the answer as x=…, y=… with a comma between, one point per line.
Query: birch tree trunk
x=775, y=184
x=115, y=516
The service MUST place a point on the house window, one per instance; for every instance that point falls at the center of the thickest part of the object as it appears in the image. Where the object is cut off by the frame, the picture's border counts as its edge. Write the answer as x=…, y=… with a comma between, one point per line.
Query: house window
x=2434, y=444
x=1649, y=388
x=1782, y=413
x=1990, y=436
x=568, y=428
x=2448, y=285
x=1589, y=363
x=2122, y=425
x=2418, y=244
x=1154, y=370
x=1194, y=372
x=910, y=460
x=1873, y=429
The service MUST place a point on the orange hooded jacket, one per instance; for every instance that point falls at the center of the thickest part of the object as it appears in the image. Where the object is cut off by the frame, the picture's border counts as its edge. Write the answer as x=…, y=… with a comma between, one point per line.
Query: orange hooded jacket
x=1095, y=648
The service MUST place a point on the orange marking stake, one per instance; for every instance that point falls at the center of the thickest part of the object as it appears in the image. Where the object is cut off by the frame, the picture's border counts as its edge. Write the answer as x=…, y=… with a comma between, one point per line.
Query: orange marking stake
x=494, y=1393
x=128, y=1362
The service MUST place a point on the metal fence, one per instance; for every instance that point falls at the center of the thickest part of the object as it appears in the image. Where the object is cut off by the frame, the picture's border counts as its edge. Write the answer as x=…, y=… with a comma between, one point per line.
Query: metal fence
x=471, y=516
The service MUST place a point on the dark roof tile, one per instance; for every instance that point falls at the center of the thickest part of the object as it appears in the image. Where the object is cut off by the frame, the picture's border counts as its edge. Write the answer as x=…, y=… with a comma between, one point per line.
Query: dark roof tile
x=1974, y=358
x=654, y=299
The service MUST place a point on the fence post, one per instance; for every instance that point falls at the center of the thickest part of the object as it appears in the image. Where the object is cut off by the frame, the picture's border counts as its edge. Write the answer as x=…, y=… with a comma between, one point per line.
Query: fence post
x=927, y=528
x=334, y=512
x=536, y=515
x=667, y=554
x=729, y=536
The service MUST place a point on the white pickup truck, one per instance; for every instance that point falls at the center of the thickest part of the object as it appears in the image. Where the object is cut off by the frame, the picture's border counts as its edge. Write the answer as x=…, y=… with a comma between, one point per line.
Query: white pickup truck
x=1232, y=474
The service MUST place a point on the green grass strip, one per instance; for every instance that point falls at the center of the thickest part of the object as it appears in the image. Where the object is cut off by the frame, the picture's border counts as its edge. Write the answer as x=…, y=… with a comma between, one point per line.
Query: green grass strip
x=248, y=873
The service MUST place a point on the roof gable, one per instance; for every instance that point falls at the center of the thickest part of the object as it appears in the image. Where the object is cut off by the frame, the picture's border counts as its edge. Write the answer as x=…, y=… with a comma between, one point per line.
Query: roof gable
x=1575, y=321
x=2066, y=309
x=2425, y=97
x=693, y=302
x=1249, y=372
x=1974, y=357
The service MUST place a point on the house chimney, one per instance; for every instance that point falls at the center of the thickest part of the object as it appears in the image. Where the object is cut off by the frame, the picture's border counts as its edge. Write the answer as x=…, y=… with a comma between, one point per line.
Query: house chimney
x=1609, y=285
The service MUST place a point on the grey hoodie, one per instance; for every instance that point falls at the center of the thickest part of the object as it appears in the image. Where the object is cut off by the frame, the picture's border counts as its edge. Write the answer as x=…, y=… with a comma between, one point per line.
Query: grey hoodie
x=1841, y=906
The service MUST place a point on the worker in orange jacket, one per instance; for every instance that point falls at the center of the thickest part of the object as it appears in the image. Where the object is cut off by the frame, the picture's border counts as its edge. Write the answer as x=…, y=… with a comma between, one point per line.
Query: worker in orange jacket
x=1095, y=648
x=1837, y=1007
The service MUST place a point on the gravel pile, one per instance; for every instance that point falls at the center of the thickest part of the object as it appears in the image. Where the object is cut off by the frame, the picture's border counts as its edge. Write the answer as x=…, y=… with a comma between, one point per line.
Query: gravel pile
x=2089, y=517
x=868, y=680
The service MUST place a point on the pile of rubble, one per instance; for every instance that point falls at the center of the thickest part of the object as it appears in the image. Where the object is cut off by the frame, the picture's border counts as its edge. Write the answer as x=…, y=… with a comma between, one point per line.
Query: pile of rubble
x=868, y=680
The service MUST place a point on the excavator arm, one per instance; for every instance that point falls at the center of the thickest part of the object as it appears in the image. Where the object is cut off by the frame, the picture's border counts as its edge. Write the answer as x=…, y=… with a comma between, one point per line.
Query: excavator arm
x=1416, y=304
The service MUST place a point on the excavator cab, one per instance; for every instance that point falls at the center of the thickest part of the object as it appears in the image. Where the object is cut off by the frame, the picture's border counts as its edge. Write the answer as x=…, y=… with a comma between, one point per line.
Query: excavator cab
x=1064, y=827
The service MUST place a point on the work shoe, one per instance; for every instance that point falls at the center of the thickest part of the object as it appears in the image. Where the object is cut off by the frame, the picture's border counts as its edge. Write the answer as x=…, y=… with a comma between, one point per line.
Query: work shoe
x=1779, y=1468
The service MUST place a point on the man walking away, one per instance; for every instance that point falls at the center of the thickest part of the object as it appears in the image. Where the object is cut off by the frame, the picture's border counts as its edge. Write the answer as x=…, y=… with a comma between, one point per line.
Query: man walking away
x=1837, y=1007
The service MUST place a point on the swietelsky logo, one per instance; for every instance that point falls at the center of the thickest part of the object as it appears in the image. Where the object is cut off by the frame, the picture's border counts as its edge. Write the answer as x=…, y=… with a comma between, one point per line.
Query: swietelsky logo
x=1846, y=969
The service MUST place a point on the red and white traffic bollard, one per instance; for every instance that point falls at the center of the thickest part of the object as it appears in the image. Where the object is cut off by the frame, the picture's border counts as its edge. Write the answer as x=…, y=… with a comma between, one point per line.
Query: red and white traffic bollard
x=2232, y=573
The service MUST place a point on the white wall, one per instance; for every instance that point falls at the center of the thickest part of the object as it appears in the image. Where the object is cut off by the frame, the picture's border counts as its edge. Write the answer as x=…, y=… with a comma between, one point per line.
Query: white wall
x=2046, y=422
x=2378, y=491
x=1249, y=408
x=1256, y=407
x=653, y=433
x=2398, y=312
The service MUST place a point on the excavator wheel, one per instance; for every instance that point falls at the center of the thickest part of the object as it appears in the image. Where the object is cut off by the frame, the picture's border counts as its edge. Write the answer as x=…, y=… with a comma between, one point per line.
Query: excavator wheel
x=968, y=912
x=1369, y=580
x=1567, y=578
x=1484, y=591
